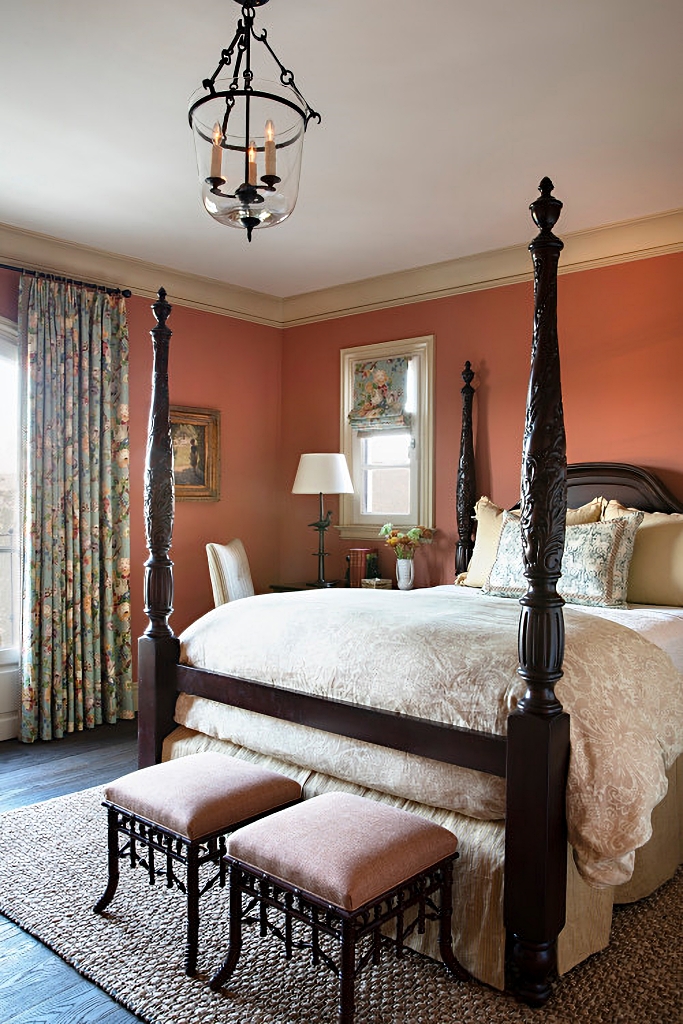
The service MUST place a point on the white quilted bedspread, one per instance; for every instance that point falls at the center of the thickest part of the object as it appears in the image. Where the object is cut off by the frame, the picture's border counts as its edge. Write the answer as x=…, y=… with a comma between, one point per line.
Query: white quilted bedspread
x=450, y=654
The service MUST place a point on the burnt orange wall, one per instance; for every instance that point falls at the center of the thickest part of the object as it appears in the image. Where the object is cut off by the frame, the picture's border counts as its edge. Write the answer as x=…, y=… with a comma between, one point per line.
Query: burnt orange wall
x=621, y=338
x=215, y=362
x=9, y=294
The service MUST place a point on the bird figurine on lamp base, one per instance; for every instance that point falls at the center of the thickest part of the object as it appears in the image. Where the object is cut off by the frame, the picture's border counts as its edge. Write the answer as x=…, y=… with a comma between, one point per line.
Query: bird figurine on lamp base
x=321, y=525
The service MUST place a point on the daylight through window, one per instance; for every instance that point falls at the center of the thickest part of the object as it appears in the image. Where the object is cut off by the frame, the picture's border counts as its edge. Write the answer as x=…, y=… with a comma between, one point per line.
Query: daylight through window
x=387, y=435
x=9, y=487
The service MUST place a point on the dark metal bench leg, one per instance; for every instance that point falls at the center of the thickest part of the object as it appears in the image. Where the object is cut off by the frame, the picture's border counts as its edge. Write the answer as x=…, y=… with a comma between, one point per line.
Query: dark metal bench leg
x=112, y=862
x=347, y=973
x=445, y=918
x=235, y=933
x=192, y=885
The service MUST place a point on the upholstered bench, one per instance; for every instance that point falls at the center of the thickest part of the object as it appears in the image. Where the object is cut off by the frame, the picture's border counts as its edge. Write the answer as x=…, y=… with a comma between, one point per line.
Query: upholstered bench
x=178, y=813
x=345, y=866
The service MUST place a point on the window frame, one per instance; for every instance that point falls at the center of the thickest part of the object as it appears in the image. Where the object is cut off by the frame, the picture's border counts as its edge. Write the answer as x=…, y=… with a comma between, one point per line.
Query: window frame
x=9, y=655
x=353, y=525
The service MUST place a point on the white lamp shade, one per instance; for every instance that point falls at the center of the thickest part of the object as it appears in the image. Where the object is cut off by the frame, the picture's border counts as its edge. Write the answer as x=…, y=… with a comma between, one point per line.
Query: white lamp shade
x=322, y=473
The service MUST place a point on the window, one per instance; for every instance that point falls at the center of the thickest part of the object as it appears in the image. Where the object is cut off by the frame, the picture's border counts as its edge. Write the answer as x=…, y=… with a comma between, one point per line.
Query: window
x=9, y=486
x=9, y=531
x=387, y=435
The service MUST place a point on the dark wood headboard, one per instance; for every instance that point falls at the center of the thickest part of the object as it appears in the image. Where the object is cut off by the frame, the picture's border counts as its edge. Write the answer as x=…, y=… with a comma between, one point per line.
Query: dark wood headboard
x=631, y=485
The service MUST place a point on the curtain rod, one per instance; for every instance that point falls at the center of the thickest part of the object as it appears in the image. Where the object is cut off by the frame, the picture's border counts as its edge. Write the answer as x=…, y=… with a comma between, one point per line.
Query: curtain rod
x=126, y=292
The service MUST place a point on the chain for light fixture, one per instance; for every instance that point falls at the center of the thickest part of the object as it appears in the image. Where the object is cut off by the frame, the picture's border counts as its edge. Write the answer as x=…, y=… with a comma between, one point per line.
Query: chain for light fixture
x=226, y=115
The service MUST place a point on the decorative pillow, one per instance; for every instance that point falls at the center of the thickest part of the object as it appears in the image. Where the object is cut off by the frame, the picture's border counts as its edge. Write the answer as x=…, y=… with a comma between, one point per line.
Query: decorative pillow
x=595, y=562
x=489, y=524
x=656, y=572
x=506, y=577
x=591, y=512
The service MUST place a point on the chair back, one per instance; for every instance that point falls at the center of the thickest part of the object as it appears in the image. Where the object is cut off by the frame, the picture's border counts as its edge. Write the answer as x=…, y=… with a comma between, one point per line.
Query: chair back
x=229, y=571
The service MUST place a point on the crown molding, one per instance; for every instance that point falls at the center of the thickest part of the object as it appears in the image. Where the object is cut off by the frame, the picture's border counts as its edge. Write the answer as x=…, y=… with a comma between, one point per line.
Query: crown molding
x=43, y=252
x=583, y=250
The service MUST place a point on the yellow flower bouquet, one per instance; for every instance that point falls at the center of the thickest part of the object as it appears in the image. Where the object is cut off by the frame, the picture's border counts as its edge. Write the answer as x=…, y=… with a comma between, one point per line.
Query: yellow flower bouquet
x=404, y=543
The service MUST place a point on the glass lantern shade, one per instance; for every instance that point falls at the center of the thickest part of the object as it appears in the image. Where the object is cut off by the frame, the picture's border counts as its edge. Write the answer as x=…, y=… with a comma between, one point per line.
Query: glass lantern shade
x=248, y=145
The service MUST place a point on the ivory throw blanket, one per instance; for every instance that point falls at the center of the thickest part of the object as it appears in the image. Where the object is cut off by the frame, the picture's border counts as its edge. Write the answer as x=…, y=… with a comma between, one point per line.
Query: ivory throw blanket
x=449, y=655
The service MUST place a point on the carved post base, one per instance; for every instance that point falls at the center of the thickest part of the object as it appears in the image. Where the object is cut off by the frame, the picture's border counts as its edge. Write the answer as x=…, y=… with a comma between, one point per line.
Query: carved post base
x=535, y=847
x=534, y=965
x=157, y=660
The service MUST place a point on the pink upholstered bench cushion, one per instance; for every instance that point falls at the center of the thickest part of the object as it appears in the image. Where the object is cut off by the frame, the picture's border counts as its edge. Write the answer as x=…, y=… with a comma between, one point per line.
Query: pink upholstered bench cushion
x=199, y=794
x=345, y=849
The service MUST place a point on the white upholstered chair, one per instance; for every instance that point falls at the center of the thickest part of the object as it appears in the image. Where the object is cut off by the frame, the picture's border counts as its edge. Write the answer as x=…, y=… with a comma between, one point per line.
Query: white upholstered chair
x=229, y=571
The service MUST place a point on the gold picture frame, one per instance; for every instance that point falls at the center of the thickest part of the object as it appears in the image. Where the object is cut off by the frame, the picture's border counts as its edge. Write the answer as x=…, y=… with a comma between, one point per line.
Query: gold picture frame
x=195, y=436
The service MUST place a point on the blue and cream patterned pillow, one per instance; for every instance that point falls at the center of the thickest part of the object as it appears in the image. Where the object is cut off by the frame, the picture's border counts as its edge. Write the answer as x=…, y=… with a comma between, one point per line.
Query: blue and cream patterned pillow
x=595, y=562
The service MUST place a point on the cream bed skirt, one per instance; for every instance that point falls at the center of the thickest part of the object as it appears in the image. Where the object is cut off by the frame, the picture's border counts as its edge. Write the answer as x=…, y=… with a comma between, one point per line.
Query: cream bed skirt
x=478, y=932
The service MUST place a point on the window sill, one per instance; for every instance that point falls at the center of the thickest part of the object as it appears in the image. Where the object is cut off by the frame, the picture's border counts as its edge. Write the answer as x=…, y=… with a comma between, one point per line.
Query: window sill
x=360, y=532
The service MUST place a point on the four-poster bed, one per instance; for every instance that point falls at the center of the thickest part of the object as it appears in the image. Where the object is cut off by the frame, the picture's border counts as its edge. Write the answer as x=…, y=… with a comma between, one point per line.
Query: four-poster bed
x=524, y=765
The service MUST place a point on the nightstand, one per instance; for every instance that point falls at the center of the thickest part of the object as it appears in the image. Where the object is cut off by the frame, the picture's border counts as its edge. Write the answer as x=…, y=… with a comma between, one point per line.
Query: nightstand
x=283, y=588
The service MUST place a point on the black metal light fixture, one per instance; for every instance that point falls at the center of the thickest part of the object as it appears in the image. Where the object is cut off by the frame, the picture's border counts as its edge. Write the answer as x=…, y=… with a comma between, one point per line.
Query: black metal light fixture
x=249, y=135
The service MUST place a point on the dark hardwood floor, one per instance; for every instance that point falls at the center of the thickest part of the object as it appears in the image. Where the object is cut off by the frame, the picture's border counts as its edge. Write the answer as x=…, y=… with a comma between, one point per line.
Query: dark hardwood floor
x=36, y=987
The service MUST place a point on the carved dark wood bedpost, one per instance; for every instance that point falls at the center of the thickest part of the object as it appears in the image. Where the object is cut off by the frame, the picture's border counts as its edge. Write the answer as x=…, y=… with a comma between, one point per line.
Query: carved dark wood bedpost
x=538, y=731
x=158, y=649
x=466, y=487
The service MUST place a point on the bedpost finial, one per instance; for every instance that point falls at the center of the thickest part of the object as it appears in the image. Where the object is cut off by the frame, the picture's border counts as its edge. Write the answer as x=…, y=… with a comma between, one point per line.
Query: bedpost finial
x=545, y=211
x=467, y=374
x=161, y=308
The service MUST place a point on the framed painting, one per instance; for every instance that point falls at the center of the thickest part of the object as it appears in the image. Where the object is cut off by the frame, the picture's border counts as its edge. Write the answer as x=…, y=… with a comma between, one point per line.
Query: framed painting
x=195, y=435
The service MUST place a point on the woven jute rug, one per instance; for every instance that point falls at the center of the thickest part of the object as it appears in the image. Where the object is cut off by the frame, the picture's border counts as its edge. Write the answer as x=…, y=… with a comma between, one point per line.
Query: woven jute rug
x=53, y=869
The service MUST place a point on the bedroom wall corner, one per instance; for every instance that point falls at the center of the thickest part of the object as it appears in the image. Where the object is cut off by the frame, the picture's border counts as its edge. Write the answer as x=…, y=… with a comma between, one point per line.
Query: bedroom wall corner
x=215, y=362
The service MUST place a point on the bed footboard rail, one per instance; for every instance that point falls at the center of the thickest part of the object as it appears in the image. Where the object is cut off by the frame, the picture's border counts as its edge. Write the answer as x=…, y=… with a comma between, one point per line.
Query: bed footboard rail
x=436, y=740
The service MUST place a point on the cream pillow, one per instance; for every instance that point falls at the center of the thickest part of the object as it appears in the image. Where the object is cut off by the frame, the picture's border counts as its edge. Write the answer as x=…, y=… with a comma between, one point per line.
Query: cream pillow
x=489, y=524
x=588, y=513
x=656, y=572
x=595, y=563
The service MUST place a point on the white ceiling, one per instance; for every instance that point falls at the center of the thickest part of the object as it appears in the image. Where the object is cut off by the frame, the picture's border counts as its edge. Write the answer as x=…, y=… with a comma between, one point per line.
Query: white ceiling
x=439, y=119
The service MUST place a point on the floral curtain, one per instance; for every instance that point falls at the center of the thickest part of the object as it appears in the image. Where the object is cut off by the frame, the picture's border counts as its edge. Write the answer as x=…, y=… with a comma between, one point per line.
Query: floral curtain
x=379, y=394
x=76, y=641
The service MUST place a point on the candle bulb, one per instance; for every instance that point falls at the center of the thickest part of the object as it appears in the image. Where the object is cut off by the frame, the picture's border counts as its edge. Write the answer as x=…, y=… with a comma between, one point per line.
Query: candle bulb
x=216, y=152
x=270, y=149
x=252, y=162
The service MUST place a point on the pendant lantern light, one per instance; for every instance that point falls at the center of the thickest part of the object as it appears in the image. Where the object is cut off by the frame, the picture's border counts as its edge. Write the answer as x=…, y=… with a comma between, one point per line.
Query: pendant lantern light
x=249, y=134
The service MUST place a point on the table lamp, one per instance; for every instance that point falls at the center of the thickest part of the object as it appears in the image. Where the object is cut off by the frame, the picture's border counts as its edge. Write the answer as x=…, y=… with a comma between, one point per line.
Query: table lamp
x=322, y=473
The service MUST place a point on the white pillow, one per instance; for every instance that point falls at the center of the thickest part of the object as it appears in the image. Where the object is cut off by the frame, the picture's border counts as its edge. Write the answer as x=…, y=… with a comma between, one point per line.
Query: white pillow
x=595, y=562
x=656, y=573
